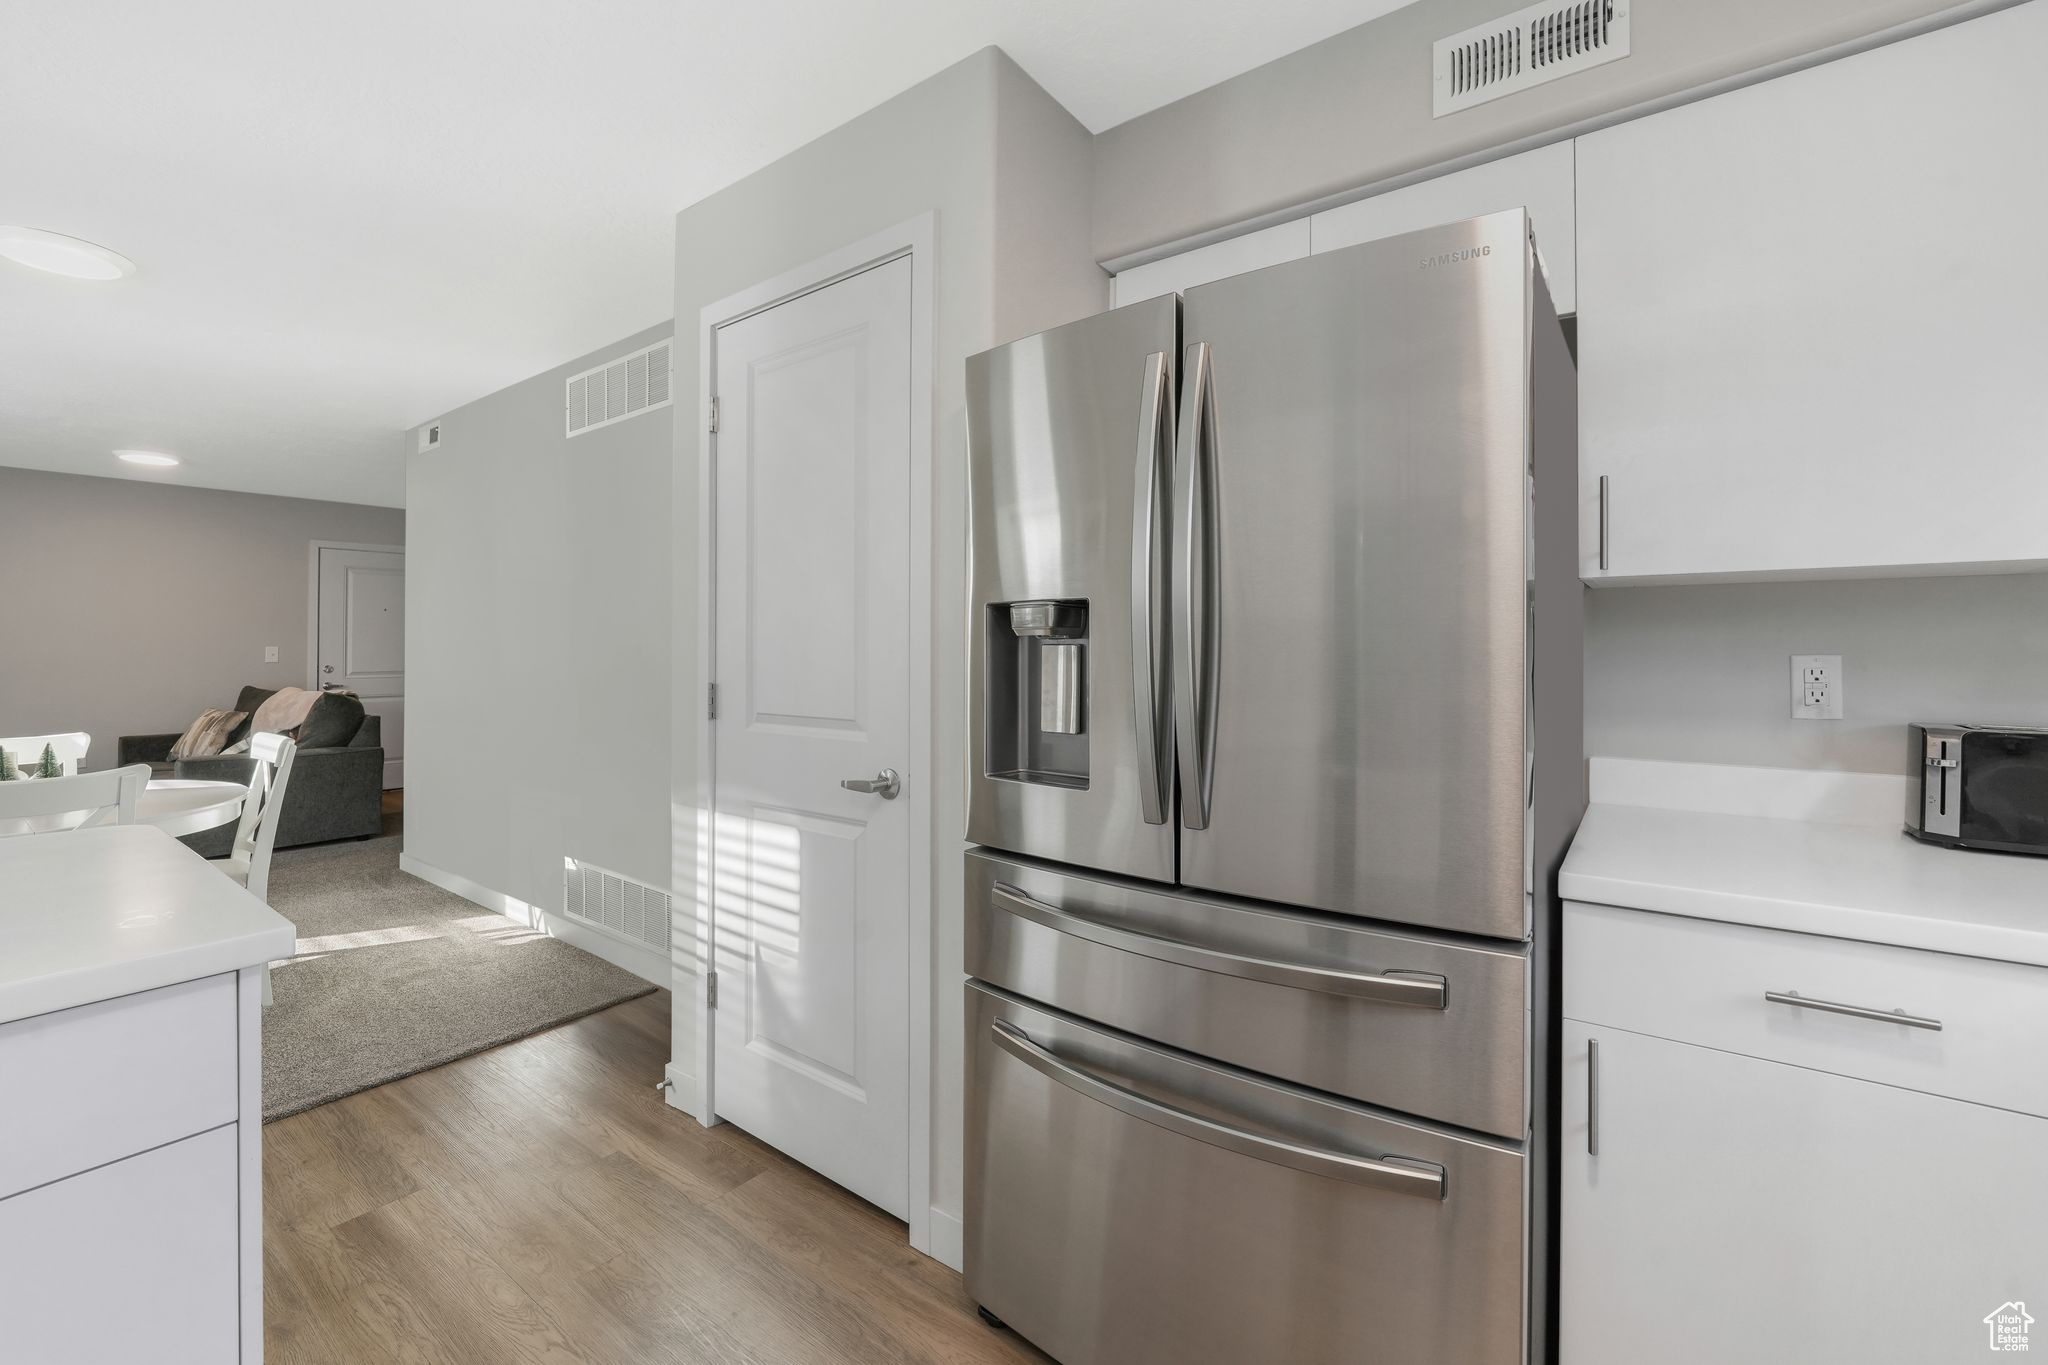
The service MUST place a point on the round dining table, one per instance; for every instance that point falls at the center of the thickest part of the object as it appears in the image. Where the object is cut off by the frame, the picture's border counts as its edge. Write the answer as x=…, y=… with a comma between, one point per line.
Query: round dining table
x=174, y=805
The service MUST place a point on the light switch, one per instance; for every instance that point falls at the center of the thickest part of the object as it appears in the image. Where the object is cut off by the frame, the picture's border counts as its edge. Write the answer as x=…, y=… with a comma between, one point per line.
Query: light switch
x=270, y=654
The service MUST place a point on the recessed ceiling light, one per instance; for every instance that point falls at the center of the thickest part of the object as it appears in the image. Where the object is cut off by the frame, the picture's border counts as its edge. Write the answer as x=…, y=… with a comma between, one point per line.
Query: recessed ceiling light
x=61, y=255
x=148, y=457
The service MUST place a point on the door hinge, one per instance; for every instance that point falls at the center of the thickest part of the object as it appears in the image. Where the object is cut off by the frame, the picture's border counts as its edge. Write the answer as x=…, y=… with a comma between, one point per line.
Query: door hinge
x=711, y=989
x=711, y=702
x=714, y=415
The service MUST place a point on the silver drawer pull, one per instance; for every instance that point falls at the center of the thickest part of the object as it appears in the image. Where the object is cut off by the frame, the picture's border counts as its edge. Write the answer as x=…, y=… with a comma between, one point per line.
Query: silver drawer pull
x=1592, y=1097
x=1392, y=987
x=1402, y=1175
x=1795, y=999
x=1603, y=521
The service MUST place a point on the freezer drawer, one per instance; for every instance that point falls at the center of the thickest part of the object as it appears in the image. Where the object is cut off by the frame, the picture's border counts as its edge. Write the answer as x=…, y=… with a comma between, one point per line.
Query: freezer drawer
x=1127, y=1204
x=1430, y=1026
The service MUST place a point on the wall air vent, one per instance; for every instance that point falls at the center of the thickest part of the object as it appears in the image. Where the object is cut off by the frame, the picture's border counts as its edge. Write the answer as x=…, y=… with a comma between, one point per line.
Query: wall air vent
x=615, y=905
x=618, y=389
x=1527, y=48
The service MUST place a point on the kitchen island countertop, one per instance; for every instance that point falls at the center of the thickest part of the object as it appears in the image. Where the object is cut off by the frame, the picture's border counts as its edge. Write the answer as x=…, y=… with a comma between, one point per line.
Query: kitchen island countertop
x=91, y=914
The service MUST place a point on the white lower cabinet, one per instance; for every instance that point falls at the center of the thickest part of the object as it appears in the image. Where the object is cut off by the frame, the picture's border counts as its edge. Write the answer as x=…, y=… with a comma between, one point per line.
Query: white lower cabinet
x=131, y=1178
x=136, y=1261
x=1746, y=1210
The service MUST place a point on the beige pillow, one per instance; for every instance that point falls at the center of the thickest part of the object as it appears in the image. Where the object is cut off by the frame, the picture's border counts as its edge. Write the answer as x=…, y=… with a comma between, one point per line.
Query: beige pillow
x=207, y=734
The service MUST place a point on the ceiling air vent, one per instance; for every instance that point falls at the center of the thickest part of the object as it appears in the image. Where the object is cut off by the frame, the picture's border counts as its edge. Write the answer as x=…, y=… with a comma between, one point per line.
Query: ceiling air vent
x=1529, y=47
x=616, y=390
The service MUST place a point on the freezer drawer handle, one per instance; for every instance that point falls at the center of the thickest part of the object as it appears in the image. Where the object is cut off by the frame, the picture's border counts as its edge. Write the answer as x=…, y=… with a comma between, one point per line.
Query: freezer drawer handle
x=1402, y=1175
x=1392, y=988
x=1795, y=999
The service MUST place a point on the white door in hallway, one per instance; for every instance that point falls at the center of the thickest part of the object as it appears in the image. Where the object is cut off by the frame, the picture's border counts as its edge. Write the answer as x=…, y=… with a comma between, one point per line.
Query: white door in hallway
x=811, y=880
x=360, y=634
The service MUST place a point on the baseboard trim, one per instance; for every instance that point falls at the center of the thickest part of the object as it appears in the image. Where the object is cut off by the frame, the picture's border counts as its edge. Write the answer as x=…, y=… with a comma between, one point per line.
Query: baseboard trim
x=682, y=1090
x=949, y=1240
x=644, y=963
x=462, y=886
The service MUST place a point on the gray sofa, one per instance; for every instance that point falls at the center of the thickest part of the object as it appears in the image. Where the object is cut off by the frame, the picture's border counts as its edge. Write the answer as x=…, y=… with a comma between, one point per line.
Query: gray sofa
x=337, y=782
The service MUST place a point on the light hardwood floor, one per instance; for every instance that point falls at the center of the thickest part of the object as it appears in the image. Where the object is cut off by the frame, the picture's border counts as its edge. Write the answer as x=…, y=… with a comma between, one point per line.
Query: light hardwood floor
x=540, y=1203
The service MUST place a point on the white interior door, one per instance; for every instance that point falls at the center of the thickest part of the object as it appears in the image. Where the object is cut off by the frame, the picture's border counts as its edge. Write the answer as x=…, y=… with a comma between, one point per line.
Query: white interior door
x=361, y=639
x=811, y=880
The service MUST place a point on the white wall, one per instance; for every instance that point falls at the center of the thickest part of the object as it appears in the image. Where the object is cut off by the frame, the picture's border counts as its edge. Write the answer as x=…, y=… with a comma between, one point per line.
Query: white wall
x=537, y=644
x=1354, y=110
x=1004, y=171
x=128, y=607
x=1703, y=674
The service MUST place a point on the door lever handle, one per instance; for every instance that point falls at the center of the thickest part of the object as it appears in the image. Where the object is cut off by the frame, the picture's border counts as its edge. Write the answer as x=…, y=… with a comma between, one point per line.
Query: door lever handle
x=884, y=784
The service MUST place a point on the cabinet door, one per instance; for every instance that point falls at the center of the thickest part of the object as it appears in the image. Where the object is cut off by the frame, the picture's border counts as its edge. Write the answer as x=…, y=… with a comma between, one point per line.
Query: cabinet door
x=1217, y=261
x=1811, y=332
x=135, y=1261
x=1539, y=180
x=1742, y=1210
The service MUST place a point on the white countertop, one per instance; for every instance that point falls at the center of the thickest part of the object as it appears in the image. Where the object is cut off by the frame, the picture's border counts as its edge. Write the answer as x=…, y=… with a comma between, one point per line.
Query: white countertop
x=90, y=914
x=1848, y=877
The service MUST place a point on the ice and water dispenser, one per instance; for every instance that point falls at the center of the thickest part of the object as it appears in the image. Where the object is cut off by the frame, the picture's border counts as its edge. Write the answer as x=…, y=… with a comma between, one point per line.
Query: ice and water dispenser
x=1038, y=692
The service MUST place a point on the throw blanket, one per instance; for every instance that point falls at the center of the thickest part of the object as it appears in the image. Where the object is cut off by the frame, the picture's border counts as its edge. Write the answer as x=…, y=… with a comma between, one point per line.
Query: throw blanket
x=284, y=712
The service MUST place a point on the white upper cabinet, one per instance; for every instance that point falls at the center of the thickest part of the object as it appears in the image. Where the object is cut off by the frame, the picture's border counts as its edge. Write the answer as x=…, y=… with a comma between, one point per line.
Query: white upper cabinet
x=1540, y=181
x=1813, y=321
x=1217, y=261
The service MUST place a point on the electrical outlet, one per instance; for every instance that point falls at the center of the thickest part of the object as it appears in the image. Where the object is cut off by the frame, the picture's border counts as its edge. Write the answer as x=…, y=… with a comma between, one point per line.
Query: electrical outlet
x=270, y=654
x=1816, y=687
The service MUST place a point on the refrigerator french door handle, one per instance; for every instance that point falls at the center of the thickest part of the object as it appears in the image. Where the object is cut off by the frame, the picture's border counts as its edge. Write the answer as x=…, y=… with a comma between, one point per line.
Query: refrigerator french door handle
x=1194, y=607
x=1401, y=1175
x=1150, y=660
x=1424, y=989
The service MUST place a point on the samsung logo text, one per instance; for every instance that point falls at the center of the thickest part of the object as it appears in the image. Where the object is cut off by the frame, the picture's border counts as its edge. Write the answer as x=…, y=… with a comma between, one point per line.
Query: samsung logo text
x=1470, y=253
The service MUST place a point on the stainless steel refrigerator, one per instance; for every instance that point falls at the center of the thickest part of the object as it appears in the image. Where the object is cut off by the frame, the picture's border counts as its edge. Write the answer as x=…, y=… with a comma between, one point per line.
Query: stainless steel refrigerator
x=1275, y=727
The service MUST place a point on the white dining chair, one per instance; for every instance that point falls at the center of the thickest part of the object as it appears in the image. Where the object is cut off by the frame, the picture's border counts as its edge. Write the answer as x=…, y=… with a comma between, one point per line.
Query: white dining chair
x=48, y=804
x=68, y=750
x=248, y=861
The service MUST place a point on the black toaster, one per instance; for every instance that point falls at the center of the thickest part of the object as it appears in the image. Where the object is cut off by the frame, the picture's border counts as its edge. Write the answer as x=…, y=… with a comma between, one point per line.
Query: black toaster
x=1980, y=786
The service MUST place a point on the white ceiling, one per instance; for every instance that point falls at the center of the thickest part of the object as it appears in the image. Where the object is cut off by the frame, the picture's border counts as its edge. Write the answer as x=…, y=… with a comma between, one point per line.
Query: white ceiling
x=351, y=217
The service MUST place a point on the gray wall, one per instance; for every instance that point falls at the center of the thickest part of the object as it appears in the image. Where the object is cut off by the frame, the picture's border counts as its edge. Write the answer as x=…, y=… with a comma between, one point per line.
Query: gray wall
x=1044, y=270
x=537, y=647
x=1004, y=171
x=1703, y=674
x=1354, y=110
x=128, y=607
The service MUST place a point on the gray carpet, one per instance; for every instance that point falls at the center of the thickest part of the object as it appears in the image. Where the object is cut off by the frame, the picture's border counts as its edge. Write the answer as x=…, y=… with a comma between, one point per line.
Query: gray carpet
x=395, y=975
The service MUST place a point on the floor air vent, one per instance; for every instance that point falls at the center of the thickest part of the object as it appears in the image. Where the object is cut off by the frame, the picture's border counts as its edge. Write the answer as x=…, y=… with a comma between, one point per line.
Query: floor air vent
x=1527, y=48
x=619, y=389
x=615, y=905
